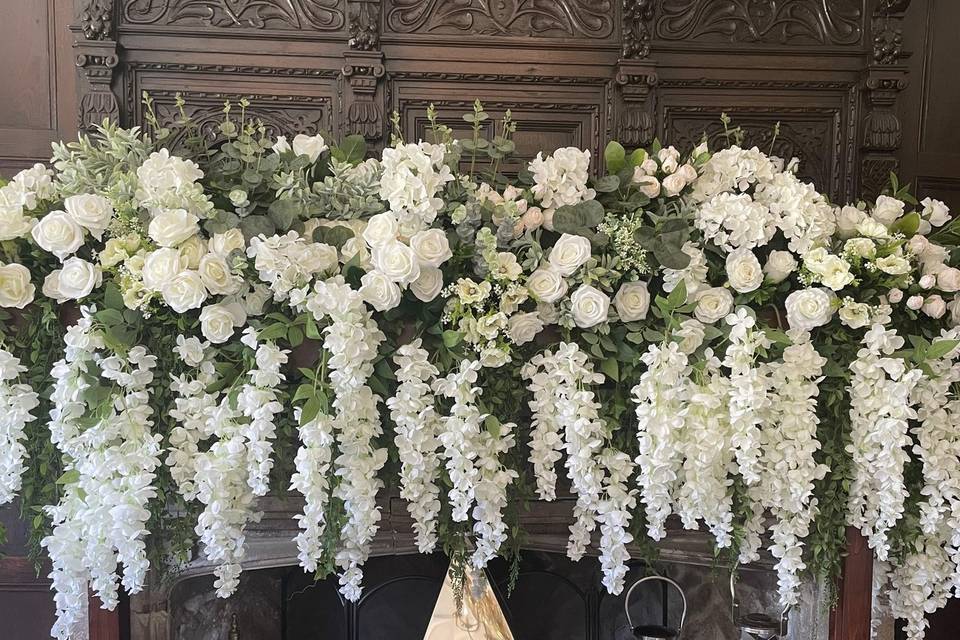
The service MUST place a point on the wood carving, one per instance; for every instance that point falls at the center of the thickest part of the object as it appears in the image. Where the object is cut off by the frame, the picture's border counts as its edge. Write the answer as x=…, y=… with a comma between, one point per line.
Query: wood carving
x=637, y=15
x=363, y=72
x=282, y=115
x=96, y=60
x=314, y=15
x=834, y=22
x=96, y=19
x=364, y=25
x=636, y=124
x=551, y=18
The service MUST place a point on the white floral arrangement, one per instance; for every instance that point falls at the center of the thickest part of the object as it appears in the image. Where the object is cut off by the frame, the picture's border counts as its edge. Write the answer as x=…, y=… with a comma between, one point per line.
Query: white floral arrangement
x=693, y=339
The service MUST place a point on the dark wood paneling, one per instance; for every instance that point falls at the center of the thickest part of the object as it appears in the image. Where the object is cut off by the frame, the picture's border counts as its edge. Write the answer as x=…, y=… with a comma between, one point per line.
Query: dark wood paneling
x=931, y=102
x=38, y=96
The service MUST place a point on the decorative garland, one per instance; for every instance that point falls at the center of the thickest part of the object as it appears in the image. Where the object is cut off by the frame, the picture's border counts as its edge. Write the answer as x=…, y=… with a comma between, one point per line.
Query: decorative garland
x=691, y=333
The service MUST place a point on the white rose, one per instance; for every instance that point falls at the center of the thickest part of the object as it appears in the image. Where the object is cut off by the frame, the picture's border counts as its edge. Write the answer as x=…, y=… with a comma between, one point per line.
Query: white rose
x=894, y=296
x=744, y=271
x=914, y=302
x=381, y=229
x=848, y=218
x=674, y=184
x=78, y=278
x=192, y=251
x=217, y=277
x=223, y=244
x=524, y=327
x=379, y=291
x=160, y=266
x=310, y=146
x=569, y=253
x=713, y=304
x=546, y=285
x=936, y=212
x=835, y=273
x=428, y=285
x=688, y=171
x=90, y=211
x=649, y=186
x=13, y=224
x=589, y=306
x=281, y=145
x=862, y=247
x=356, y=248
x=170, y=227
x=669, y=159
x=934, y=306
x=780, y=264
x=809, y=308
x=431, y=246
x=632, y=301
x=949, y=280
x=855, y=315
x=51, y=286
x=397, y=261
x=184, y=291
x=255, y=300
x=691, y=334
x=16, y=290
x=928, y=280
x=954, y=308
x=217, y=323
x=58, y=233
x=872, y=229
x=317, y=257
x=887, y=210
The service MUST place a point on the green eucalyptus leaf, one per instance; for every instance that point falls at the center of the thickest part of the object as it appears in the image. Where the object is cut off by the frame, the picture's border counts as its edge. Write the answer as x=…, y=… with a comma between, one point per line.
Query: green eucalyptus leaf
x=252, y=226
x=614, y=156
x=607, y=184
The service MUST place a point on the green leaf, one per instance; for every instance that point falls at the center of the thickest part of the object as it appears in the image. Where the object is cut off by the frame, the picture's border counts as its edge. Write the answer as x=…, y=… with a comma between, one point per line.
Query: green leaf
x=112, y=297
x=908, y=224
x=69, y=477
x=492, y=425
x=607, y=184
x=283, y=212
x=335, y=236
x=614, y=156
x=678, y=296
x=310, y=410
x=941, y=348
x=303, y=392
x=451, y=338
x=611, y=368
x=637, y=158
x=353, y=149
x=253, y=226
x=670, y=256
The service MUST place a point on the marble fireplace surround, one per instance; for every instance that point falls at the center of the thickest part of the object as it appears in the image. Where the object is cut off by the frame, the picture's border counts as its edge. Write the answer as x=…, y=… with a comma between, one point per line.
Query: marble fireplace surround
x=685, y=556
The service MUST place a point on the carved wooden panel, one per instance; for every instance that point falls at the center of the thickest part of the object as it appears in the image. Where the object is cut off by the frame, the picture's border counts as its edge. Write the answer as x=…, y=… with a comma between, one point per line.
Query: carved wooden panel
x=299, y=15
x=593, y=19
x=795, y=22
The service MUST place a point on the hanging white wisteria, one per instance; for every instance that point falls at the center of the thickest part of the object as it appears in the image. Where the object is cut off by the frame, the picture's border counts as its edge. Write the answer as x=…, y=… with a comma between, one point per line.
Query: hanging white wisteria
x=658, y=332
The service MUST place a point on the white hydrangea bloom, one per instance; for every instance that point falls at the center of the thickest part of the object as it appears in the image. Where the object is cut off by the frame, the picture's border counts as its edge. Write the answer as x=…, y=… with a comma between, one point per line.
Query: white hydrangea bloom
x=412, y=179
x=413, y=413
x=17, y=400
x=165, y=181
x=734, y=170
x=561, y=179
x=880, y=408
x=694, y=275
x=289, y=262
x=804, y=215
x=735, y=221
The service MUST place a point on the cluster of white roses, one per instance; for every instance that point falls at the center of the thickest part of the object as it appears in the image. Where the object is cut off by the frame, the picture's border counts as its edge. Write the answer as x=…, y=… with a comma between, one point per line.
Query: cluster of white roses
x=17, y=400
x=100, y=522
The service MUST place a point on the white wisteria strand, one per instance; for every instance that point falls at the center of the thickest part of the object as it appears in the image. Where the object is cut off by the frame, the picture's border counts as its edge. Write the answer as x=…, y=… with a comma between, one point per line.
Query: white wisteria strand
x=100, y=522
x=17, y=400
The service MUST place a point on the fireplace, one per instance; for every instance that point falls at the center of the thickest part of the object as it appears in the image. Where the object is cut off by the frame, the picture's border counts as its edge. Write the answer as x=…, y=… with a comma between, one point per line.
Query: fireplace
x=554, y=598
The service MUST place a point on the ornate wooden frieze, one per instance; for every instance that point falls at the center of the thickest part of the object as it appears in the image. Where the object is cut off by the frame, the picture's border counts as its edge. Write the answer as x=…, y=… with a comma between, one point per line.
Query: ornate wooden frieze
x=306, y=15
x=364, y=25
x=797, y=22
x=884, y=79
x=593, y=19
x=96, y=59
x=281, y=114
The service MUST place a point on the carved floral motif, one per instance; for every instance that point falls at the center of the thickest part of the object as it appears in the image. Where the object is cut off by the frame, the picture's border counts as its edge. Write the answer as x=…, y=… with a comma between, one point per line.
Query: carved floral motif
x=835, y=22
x=556, y=18
x=317, y=15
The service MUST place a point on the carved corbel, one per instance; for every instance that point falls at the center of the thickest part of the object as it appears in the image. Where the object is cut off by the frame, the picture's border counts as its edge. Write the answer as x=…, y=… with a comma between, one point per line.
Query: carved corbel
x=96, y=59
x=363, y=73
x=885, y=77
x=635, y=77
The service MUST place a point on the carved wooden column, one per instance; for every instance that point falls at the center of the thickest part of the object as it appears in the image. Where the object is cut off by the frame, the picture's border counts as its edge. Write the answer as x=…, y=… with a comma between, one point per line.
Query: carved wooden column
x=885, y=77
x=96, y=59
x=362, y=107
x=636, y=77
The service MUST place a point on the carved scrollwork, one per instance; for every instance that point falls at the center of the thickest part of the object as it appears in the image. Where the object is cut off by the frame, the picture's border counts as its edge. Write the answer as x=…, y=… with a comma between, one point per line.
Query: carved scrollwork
x=363, y=73
x=365, y=25
x=546, y=18
x=317, y=15
x=281, y=115
x=835, y=22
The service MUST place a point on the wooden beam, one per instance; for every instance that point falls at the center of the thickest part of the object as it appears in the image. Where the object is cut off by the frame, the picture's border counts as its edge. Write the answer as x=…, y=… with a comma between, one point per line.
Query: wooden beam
x=850, y=620
x=104, y=625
